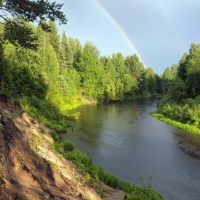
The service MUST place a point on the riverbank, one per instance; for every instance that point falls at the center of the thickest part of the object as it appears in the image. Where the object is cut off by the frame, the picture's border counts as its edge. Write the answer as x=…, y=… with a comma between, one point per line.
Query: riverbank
x=189, y=143
x=31, y=169
x=40, y=171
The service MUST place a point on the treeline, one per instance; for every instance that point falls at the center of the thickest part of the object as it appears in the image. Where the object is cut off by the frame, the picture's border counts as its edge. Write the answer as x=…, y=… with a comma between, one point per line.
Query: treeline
x=182, y=88
x=63, y=71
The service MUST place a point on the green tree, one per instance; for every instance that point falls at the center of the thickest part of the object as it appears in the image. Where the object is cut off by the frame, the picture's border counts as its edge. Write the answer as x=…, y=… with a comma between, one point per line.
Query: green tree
x=166, y=80
x=54, y=37
x=182, y=69
x=193, y=71
x=135, y=66
x=110, y=78
x=151, y=85
x=158, y=84
x=27, y=10
x=21, y=73
x=174, y=70
x=178, y=90
x=91, y=72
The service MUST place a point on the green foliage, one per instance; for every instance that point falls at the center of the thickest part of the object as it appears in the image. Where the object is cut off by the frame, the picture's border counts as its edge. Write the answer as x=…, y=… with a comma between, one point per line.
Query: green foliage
x=15, y=30
x=193, y=129
x=98, y=173
x=166, y=80
x=178, y=90
x=144, y=193
x=54, y=135
x=18, y=33
x=46, y=112
x=91, y=72
x=182, y=101
x=79, y=158
x=68, y=146
x=60, y=73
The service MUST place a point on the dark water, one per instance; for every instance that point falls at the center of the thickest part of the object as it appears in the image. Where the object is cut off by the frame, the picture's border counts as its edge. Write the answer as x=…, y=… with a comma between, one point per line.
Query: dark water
x=125, y=140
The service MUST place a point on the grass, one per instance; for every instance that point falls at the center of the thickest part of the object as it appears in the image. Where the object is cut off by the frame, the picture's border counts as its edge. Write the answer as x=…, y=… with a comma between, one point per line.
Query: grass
x=50, y=115
x=187, y=127
x=46, y=112
x=193, y=137
x=99, y=174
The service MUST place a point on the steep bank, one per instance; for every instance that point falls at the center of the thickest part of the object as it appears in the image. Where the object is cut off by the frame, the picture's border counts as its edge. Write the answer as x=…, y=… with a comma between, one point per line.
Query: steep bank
x=31, y=169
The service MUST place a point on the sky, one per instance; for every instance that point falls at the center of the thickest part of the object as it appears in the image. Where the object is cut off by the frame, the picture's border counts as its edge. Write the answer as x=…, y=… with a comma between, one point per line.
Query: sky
x=158, y=31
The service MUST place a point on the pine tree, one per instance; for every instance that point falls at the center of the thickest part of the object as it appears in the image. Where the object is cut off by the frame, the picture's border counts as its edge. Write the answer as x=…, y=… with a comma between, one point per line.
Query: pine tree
x=21, y=11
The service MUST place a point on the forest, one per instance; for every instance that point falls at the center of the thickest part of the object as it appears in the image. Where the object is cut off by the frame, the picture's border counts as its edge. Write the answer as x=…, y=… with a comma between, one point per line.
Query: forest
x=50, y=75
x=57, y=72
x=63, y=72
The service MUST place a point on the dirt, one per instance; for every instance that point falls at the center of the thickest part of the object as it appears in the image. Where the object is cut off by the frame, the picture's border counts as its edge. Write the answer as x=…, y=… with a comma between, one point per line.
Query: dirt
x=31, y=169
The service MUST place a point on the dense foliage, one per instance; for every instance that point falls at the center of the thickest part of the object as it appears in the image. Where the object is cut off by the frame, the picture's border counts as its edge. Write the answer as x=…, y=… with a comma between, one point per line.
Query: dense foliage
x=62, y=72
x=15, y=29
x=181, y=84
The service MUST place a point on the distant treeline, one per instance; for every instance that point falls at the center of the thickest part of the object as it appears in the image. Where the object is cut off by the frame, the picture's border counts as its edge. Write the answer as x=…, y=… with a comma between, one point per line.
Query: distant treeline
x=63, y=71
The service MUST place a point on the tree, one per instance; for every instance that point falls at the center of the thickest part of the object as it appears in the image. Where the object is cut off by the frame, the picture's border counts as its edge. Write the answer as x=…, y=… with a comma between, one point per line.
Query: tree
x=91, y=72
x=54, y=37
x=135, y=66
x=110, y=78
x=21, y=73
x=158, y=84
x=151, y=85
x=182, y=69
x=166, y=80
x=193, y=71
x=174, y=70
x=21, y=11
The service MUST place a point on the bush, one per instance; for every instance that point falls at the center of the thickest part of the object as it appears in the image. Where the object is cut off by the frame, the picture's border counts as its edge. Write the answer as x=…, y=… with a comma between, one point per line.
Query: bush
x=54, y=135
x=79, y=158
x=68, y=146
x=59, y=128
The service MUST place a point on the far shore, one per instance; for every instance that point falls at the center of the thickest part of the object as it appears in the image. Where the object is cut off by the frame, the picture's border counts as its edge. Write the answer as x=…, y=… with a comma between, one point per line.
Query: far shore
x=189, y=143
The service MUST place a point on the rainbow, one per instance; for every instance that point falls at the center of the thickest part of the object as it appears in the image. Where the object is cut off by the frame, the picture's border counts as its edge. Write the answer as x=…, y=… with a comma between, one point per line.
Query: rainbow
x=124, y=34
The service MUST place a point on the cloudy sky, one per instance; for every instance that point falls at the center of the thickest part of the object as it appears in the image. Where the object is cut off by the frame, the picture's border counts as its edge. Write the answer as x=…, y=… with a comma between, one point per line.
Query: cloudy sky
x=158, y=31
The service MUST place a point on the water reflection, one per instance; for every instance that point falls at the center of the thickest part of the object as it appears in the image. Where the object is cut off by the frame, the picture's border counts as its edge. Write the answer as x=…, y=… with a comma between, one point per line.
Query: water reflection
x=128, y=142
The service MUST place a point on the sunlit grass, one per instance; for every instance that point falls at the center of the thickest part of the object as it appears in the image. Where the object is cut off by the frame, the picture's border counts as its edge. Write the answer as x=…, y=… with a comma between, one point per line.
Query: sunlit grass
x=194, y=132
x=99, y=174
x=187, y=127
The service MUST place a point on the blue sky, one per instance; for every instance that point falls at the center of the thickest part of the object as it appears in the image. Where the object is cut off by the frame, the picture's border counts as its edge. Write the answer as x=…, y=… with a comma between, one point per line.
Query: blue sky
x=158, y=31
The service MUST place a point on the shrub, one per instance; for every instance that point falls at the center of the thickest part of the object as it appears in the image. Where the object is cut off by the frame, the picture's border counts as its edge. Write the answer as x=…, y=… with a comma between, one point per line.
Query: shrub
x=68, y=146
x=79, y=158
x=54, y=135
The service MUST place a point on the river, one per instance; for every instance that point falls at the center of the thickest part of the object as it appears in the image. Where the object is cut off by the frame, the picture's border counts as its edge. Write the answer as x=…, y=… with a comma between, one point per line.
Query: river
x=127, y=142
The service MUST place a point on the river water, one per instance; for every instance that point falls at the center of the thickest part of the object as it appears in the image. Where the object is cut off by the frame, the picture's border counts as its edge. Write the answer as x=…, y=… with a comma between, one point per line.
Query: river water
x=127, y=142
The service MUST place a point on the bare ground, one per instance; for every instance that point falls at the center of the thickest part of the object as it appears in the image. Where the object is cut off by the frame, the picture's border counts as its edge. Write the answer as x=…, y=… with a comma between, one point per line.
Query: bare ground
x=31, y=169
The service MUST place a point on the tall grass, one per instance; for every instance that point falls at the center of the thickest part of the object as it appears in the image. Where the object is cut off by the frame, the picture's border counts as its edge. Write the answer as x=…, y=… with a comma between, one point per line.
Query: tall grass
x=194, y=132
x=98, y=173
x=187, y=127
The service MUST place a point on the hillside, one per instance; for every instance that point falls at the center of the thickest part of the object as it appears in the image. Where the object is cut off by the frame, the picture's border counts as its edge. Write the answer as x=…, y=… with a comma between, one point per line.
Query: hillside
x=31, y=169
